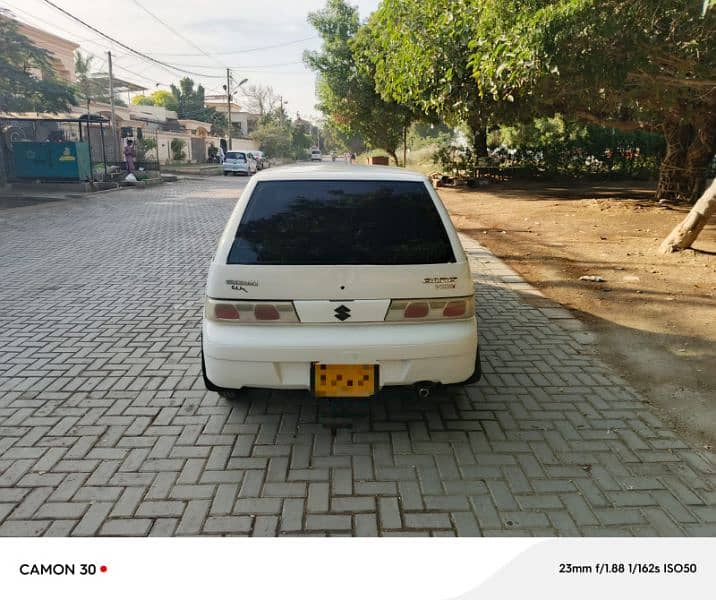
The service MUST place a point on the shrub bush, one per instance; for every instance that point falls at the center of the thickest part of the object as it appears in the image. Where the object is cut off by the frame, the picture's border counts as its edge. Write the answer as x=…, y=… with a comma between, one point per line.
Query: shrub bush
x=177, y=148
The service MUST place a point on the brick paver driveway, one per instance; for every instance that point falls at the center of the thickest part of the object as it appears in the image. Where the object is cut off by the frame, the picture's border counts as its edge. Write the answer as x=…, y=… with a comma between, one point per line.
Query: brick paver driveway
x=106, y=429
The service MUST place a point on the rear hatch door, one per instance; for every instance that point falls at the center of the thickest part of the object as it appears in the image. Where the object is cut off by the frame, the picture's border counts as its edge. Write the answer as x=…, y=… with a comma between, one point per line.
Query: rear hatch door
x=347, y=246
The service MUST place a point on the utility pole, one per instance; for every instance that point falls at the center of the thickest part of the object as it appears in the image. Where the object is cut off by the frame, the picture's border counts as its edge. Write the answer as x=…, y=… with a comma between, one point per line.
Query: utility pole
x=115, y=133
x=228, y=101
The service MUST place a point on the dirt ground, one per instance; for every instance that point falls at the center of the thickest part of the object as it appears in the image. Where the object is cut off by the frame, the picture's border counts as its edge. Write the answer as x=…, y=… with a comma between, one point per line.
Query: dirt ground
x=654, y=315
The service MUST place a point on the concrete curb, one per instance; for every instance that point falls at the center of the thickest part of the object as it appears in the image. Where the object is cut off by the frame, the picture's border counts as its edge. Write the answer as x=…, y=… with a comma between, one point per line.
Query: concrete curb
x=504, y=276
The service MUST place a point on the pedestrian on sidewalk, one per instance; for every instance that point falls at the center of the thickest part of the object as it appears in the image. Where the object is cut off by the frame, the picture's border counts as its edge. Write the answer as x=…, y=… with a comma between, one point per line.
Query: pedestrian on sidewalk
x=222, y=155
x=130, y=153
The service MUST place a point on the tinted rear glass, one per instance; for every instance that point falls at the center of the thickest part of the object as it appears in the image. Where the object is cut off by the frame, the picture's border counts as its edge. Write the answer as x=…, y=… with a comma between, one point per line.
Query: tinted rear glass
x=235, y=155
x=340, y=223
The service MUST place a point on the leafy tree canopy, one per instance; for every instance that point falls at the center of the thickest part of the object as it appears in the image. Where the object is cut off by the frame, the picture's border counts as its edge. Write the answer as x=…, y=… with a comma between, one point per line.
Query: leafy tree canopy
x=646, y=59
x=157, y=98
x=190, y=105
x=624, y=63
x=346, y=80
x=27, y=79
x=628, y=64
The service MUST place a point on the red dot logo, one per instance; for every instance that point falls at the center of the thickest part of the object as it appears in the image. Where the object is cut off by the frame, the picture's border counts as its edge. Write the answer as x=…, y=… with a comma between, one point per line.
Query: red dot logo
x=103, y=569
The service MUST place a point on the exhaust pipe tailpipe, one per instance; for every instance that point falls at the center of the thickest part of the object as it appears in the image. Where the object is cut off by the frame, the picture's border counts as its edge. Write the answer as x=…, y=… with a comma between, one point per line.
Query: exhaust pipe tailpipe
x=424, y=389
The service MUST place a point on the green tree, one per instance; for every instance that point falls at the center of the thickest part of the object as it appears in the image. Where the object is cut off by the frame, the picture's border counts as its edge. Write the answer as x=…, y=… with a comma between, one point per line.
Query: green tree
x=177, y=149
x=157, y=98
x=27, y=79
x=146, y=147
x=190, y=105
x=273, y=139
x=190, y=101
x=421, y=52
x=91, y=87
x=629, y=64
x=83, y=69
x=346, y=84
x=301, y=140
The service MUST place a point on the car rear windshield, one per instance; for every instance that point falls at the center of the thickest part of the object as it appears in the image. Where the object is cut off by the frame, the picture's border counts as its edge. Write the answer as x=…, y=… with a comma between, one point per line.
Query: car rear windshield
x=340, y=223
x=236, y=155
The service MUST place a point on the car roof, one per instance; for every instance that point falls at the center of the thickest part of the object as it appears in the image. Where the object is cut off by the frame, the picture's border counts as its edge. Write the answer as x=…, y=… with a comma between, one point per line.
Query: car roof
x=338, y=171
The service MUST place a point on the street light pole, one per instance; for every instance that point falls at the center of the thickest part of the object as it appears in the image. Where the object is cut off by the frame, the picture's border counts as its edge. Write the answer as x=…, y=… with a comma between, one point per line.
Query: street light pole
x=115, y=140
x=228, y=101
x=229, y=96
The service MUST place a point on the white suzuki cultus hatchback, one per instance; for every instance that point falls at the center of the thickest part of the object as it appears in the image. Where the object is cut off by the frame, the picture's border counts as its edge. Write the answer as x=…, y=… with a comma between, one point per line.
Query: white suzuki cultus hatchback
x=339, y=279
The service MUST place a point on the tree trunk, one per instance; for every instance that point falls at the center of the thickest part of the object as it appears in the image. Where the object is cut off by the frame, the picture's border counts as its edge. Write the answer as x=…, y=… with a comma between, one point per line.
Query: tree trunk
x=405, y=146
x=686, y=232
x=479, y=140
x=698, y=159
x=478, y=128
x=673, y=184
x=394, y=156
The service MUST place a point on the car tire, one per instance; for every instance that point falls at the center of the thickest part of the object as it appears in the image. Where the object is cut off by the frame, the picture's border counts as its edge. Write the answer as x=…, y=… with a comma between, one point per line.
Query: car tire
x=226, y=173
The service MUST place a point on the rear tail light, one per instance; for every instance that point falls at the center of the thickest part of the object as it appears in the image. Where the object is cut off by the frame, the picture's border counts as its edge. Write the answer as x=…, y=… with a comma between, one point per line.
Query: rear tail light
x=434, y=309
x=266, y=312
x=226, y=312
x=416, y=310
x=250, y=312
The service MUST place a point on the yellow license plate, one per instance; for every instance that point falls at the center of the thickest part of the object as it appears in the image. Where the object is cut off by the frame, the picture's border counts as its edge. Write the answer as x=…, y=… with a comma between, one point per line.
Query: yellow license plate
x=344, y=381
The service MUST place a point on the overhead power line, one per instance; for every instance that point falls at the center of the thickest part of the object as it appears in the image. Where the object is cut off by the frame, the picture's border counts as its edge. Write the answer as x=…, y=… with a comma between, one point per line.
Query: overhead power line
x=54, y=26
x=175, y=32
x=244, y=67
x=245, y=50
x=132, y=50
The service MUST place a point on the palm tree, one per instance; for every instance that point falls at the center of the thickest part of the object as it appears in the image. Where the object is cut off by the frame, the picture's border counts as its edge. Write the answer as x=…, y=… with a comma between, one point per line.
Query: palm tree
x=83, y=66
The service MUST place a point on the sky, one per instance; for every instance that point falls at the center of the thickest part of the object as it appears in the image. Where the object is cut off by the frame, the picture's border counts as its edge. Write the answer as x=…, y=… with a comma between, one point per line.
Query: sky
x=231, y=33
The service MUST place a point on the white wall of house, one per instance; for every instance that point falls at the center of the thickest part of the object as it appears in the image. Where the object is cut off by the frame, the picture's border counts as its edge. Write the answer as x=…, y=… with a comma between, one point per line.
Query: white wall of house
x=150, y=113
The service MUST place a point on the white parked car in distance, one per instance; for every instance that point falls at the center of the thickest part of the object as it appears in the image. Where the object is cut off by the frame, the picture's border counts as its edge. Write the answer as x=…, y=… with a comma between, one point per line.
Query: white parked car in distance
x=316, y=155
x=239, y=161
x=339, y=279
x=261, y=160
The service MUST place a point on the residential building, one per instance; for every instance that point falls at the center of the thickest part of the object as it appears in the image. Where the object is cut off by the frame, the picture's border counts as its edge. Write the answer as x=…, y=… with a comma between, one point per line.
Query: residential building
x=62, y=51
x=242, y=122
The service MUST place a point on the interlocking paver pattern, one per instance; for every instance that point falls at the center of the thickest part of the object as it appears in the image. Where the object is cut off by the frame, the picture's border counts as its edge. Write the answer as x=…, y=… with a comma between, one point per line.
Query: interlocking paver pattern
x=106, y=428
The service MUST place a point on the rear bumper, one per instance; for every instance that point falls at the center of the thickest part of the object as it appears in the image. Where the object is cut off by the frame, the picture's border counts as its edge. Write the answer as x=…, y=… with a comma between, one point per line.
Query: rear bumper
x=276, y=356
x=236, y=168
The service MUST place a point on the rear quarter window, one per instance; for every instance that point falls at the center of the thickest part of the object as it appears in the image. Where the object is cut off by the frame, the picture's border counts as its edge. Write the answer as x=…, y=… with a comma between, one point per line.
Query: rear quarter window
x=318, y=222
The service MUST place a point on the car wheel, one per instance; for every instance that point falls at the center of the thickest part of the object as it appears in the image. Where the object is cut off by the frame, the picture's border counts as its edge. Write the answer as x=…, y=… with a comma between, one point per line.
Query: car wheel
x=225, y=173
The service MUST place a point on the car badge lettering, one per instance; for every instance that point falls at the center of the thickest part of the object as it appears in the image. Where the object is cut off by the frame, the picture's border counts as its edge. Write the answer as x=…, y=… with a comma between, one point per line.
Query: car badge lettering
x=240, y=285
x=441, y=282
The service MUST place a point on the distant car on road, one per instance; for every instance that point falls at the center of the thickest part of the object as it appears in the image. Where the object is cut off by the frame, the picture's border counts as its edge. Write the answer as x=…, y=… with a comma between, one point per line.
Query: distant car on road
x=261, y=160
x=339, y=279
x=239, y=161
x=316, y=155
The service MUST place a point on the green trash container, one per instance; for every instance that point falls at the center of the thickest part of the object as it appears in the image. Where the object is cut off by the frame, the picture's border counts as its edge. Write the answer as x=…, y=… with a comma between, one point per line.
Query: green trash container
x=56, y=161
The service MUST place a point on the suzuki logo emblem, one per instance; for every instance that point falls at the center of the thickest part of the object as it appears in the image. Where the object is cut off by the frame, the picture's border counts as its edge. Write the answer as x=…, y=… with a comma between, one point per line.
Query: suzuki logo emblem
x=343, y=312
